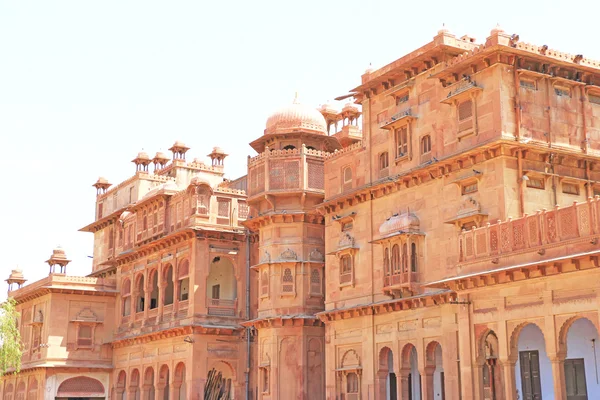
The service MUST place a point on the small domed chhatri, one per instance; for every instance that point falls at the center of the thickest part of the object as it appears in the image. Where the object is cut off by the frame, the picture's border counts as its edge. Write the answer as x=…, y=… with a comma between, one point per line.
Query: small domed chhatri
x=406, y=222
x=296, y=117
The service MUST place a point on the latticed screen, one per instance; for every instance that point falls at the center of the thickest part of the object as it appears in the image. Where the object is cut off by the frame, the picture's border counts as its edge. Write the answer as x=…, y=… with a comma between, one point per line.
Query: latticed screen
x=465, y=115
x=264, y=284
x=316, y=175
x=257, y=179
x=315, y=281
x=84, y=337
x=223, y=211
x=287, y=281
x=242, y=210
x=284, y=174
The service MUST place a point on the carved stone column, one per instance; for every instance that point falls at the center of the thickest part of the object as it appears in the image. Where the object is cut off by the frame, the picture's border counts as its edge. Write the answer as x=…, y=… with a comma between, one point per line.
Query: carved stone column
x=510, y=385
x=161, y=300
x=558, y=376
x=427, y=383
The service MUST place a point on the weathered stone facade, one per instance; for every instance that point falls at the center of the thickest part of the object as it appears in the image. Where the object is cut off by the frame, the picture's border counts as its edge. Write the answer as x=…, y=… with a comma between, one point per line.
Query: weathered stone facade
x=435, y=239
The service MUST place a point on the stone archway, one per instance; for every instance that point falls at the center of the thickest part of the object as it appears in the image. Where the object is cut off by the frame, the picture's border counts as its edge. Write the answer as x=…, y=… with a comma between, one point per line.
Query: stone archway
x=434, y=371
x=578, y=356
x=533, y=369
x=489, y=368
x=387, y=386
x=410, y=376
x=148, y=389
x=179, y=382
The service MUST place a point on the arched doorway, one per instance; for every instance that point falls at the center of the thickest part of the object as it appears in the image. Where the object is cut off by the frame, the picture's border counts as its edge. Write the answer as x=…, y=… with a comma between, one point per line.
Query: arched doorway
x=435, y=371
x=134, y=385
x=121, y=386
x=148, y=388
x=179, y=382
x=581, y=361
x=491, y=372
x=164, y=383
x=411, y=378
x=220, y=380
x=153, y=289
x=386, y=376
x=533, y=371
x=221, y=287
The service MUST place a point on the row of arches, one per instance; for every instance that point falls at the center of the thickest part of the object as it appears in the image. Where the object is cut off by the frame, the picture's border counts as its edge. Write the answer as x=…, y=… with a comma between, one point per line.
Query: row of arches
x=24, y=389
x=407, y=382
x=151, y=387
x=534, y=370
x=169, y=285
x=147, y=293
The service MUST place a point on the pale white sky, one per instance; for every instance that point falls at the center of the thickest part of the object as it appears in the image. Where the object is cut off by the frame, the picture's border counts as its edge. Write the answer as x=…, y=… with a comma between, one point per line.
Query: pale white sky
x=85, y=85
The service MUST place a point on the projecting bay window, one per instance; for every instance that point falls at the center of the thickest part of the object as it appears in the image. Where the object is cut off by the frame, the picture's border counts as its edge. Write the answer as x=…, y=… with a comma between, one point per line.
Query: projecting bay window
x=401, y=263
x=462, y=97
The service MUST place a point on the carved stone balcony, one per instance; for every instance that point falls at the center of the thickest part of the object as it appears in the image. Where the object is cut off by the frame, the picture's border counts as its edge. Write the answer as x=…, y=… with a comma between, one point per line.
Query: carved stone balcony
x=401, y=283
x=222, y=307
x=296, y=170
x=567, y=228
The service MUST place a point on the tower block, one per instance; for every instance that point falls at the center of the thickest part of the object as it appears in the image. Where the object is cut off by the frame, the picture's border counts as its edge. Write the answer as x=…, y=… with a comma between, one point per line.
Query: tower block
x=285, y=183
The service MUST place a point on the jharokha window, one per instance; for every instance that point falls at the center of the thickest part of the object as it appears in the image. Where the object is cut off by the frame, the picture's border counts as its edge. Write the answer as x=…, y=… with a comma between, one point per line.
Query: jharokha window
x=401, y=239
x=346, y=268
x=85, y=335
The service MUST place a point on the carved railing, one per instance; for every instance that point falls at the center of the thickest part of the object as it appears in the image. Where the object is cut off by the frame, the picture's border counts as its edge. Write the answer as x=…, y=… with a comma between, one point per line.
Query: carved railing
x=284, y=170
x=531, y=232
x=222, y=307
x=399, y=279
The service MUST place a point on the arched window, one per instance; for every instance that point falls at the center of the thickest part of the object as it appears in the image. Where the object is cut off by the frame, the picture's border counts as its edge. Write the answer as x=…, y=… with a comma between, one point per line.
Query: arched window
x=351, y=383
x=168, y=277
x=265, y=380
x=384, y=161
x=425, y=144
x=183, y=280
x=154, y=291
x=386, y=262
x=315, y=281
x=139, y=288
x=396, y=259
x=347, y=178
x=289, y=147
x=264, y=283
x=404, y=257
x=204, y=194
x=413, y=257
x=126, y=297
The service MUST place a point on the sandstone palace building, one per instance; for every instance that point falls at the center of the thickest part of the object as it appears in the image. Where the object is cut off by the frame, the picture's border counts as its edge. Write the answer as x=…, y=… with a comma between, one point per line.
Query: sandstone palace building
x=436, y=238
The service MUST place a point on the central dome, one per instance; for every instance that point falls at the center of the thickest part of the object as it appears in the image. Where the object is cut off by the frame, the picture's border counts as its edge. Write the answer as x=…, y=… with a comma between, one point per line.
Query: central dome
x=296, y=117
